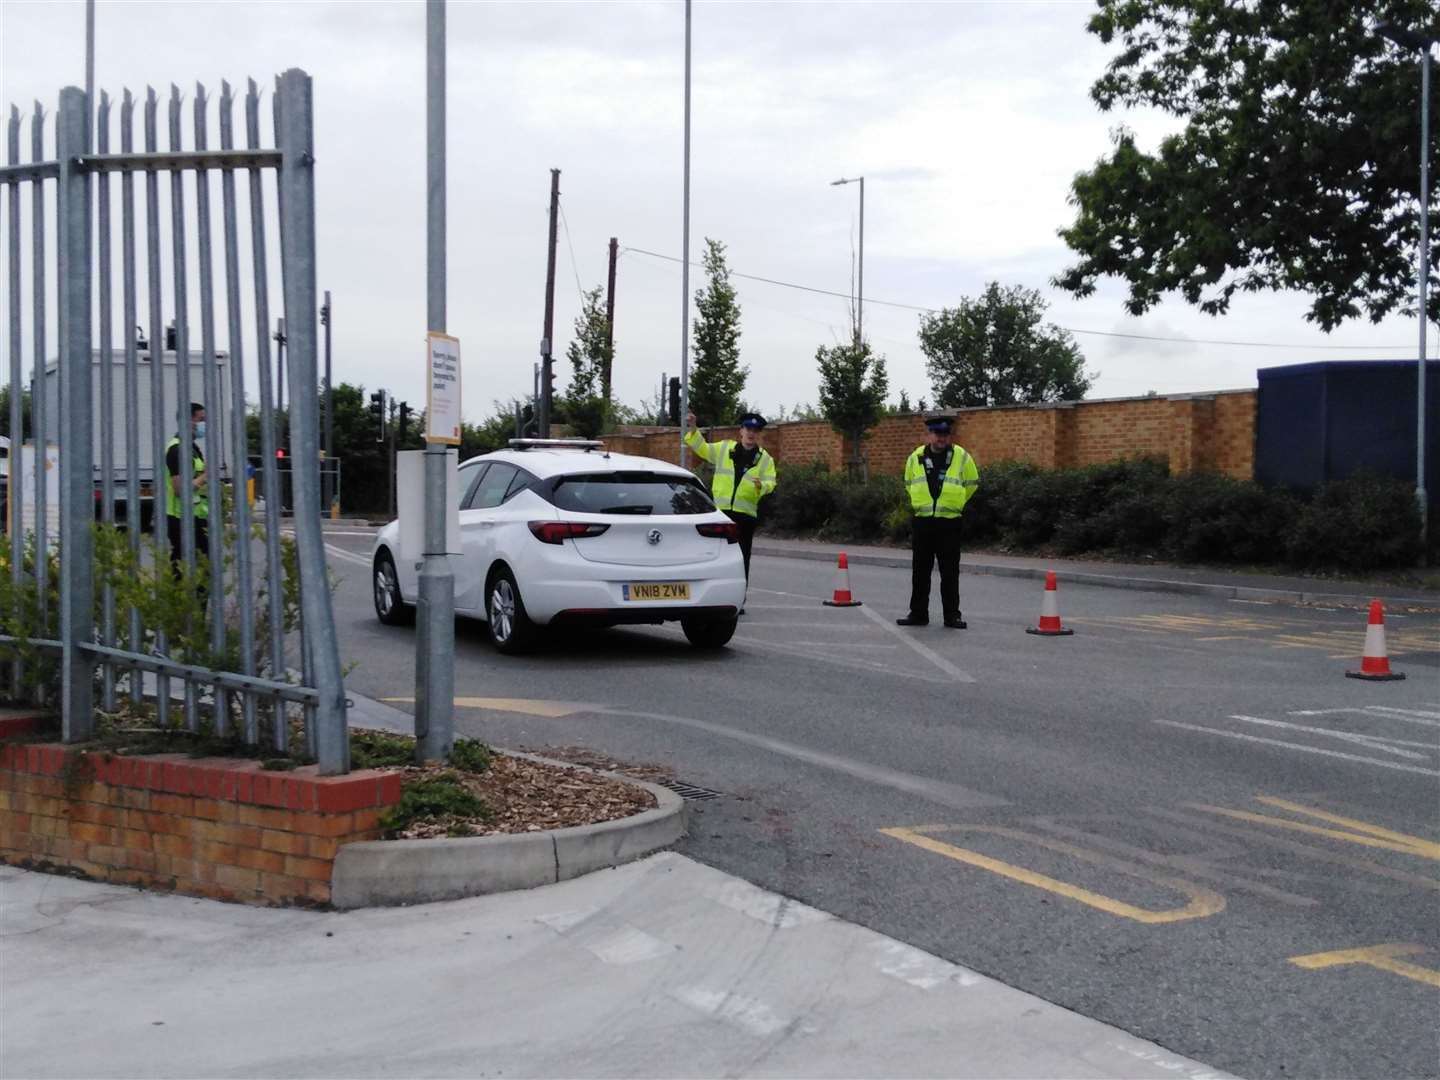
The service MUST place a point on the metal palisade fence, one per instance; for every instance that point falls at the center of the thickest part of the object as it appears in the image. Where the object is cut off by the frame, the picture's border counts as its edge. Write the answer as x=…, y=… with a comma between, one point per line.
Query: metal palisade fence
x=248, y=641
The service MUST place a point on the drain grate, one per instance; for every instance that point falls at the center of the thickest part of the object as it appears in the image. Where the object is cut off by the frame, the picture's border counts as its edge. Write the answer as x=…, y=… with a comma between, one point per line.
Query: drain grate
x=690, y=791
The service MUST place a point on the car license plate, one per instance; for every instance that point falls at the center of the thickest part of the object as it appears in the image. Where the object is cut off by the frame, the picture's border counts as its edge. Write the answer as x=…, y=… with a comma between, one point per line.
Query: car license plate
x=657, y=590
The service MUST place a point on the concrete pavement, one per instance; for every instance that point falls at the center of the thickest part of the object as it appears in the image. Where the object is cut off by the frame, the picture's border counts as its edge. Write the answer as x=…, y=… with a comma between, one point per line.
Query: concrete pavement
x=664, y=967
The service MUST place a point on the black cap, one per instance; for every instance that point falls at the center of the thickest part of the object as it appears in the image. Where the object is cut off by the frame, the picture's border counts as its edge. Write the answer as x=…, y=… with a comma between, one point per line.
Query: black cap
x=938, y=424
x=752, y=420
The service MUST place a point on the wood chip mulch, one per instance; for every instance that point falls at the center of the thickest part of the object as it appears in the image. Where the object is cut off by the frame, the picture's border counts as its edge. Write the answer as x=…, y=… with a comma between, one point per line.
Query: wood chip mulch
x=527, y=796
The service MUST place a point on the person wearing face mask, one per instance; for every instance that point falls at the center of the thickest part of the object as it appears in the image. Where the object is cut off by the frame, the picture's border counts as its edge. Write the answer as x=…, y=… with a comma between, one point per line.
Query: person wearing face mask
x=174, y=478
x=940, y=479
x=744, y=474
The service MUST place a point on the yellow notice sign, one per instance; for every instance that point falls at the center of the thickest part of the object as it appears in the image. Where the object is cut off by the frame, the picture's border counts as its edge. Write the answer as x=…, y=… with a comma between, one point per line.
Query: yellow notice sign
x=442, y=388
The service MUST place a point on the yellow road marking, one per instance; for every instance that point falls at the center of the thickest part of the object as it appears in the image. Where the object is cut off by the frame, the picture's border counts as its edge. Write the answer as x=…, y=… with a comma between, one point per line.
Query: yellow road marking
x=1203, y=902
x=526, y=706
x=1363, y=834
x=1376, y=956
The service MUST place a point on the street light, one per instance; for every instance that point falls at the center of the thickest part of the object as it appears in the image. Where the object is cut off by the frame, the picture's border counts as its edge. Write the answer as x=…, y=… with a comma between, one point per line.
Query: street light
x=860, y=285
x=1421, y=43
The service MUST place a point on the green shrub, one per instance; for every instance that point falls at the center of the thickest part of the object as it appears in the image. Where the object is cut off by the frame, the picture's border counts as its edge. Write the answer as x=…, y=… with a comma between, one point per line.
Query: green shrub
x=1214, y=518
x=1363, y=522
x=470, y=755
x=862, y=509
x=806, y=498
x=440, y=798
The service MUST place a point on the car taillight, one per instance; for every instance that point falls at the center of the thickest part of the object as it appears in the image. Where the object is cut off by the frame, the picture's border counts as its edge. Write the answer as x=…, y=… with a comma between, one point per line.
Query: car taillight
x=557, y=532
x=727, y=530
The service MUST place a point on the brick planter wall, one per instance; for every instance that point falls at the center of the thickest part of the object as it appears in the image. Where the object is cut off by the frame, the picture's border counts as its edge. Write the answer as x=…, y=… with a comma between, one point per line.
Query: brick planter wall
x=215, y=827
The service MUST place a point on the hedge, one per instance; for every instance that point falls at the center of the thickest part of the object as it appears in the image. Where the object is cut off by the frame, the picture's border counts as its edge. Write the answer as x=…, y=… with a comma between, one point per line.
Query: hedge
x=1128, y=508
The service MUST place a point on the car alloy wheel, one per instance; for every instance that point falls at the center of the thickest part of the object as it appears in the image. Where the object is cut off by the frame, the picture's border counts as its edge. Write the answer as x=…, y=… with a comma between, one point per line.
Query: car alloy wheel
x=502, y=610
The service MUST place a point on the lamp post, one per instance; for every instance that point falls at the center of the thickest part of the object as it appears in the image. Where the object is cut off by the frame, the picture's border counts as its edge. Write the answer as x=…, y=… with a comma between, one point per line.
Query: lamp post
x=1421, y=43
x=860, y=285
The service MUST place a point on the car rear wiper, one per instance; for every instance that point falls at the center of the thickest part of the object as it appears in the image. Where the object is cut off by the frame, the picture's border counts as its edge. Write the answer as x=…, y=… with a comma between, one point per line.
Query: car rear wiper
x=630, y=509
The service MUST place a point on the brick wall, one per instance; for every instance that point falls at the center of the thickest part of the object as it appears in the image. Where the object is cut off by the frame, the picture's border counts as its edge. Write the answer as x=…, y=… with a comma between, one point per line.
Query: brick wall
x=213, y=827
x=1193, y=432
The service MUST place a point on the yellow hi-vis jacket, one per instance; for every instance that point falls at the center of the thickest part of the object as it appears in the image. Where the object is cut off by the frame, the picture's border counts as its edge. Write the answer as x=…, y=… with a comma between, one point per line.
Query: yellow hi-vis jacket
x=960, y=481
x=199, y=502
x=741, y=497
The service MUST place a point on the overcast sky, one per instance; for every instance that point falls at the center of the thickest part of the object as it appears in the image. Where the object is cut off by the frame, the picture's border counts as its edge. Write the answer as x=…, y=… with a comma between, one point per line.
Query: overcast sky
x=968, y=121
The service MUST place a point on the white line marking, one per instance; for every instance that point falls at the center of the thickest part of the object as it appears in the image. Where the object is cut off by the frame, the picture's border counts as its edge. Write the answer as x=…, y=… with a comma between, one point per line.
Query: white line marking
x=749, y=1013
x=769, y=908
x=1371, y=742
x=924, y=650
x=843, y=644
x=765, y=624
x=939, y=791
x=911, y=965
x=348, y=556
x=562, y=921
x=1409, y=716
x=630, y=946
x=1301, y=748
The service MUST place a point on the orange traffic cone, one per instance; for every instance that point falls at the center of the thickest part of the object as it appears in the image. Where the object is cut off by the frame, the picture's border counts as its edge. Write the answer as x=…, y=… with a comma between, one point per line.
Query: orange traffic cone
x=1049, y=612
x=1375, y=665
x=843, y=597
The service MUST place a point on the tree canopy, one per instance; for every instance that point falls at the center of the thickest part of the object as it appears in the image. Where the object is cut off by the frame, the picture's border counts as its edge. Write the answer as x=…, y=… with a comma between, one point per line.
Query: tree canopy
x=853, y=385
x=1297, y=168
x=717, y=378
x=589, y=353
x=993, y=350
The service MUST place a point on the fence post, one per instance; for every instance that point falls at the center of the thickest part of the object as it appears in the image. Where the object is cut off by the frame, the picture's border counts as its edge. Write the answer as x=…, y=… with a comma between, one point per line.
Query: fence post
x=294, y=136
x=77, y=546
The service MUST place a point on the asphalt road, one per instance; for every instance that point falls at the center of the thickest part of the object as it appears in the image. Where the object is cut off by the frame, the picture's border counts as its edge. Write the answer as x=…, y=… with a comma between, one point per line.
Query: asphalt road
x=1183, y=820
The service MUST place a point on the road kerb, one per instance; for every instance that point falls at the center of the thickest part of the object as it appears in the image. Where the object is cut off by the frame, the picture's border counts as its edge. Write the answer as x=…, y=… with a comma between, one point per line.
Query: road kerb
x=1111, y=581
x=386, y=873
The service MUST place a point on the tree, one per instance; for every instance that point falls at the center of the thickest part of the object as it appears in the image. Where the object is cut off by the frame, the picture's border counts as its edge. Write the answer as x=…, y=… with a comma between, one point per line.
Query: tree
x=993, y=351
x=853, y=385
x=717, y=378
x=903, y=406
x=1296, y=168
x=589, y=352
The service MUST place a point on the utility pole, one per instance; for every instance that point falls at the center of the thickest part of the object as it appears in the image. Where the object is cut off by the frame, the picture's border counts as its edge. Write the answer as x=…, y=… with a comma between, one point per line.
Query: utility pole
x=547, y=367
x=609, y=323
x=685, y=261
x=328, y=477
x=435, y=639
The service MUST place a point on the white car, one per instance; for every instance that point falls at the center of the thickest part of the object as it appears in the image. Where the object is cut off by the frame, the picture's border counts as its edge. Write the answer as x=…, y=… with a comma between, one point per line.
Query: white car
x=560, y=532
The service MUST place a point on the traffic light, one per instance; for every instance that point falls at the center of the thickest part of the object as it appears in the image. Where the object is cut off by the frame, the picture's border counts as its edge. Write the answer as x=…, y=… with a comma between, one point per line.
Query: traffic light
x=675, y=417
x=404, y=421
x=377, y=410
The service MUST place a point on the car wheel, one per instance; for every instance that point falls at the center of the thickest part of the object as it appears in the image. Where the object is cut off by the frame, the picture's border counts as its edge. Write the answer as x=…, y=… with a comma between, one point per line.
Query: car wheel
x=390, y=607
x=709, y=633
x=511, y=630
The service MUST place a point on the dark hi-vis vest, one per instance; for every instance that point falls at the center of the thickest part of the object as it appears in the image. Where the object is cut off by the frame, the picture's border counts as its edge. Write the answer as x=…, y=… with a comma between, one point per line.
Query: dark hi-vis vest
x=959, y=481
x=729, y=491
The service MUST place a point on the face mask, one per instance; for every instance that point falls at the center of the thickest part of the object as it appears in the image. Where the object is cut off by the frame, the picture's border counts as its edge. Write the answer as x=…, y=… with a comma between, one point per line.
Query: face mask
x=200, y=430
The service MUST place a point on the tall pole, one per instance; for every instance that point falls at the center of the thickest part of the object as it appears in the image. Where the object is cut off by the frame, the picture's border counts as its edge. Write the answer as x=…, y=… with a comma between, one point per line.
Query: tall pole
x=1423, y=261
x=860, y=285
x=435, y=640
x=685, y=262
x=89, y=76
x=609, y=323
x=326, y=315
x=547, y=348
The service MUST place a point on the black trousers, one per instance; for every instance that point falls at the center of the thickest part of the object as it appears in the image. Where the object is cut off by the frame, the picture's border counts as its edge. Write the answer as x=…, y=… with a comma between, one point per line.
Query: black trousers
x=935, y=540
x=202, y=544
x=747, y=536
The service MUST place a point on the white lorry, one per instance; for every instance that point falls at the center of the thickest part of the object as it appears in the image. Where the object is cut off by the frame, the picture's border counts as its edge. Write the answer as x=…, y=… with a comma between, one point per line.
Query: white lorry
x=113, y=426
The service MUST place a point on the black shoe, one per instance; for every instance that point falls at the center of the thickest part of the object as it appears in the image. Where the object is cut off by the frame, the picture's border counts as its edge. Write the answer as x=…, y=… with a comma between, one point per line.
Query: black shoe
x=955, y=623
x=911, y=620
x=740, y=612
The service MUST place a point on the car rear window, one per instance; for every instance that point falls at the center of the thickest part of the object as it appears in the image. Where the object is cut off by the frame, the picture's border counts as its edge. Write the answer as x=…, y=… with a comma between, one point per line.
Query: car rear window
x=629, y=493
